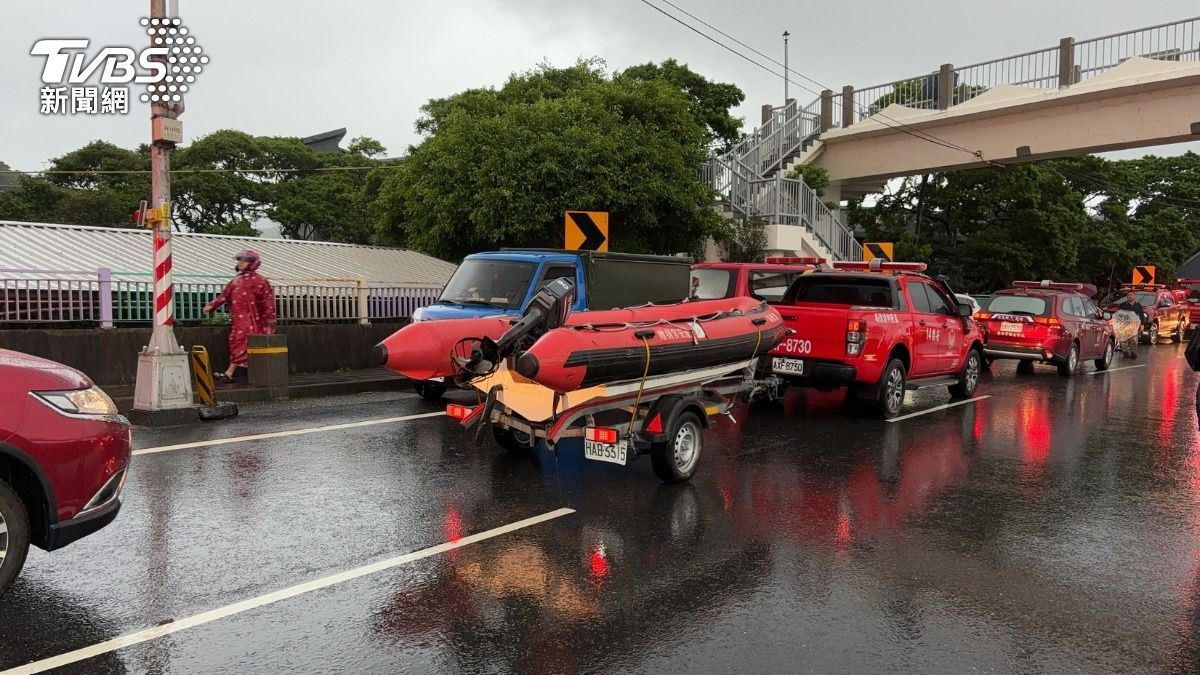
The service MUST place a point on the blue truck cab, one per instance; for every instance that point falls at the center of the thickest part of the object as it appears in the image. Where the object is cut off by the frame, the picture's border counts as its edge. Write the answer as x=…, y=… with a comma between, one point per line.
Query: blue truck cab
x=504, y=281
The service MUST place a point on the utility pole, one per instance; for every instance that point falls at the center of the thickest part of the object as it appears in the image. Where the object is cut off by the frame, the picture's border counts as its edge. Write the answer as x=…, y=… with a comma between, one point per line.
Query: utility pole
x=163, y=376
x=786, y=73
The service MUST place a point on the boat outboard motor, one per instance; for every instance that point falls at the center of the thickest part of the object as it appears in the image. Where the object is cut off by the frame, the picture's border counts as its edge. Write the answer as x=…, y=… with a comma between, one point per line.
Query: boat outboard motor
x=548, y=310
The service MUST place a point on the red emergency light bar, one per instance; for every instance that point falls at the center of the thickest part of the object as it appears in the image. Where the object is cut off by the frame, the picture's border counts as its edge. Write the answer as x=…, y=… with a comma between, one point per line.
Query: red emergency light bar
x=792, y=260
x=1142, y=287
x=878, y=265
x=1046, y=283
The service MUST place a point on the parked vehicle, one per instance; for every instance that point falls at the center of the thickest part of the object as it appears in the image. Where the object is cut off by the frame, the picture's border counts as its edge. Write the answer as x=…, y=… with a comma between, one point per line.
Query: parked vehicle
x=1047, y=322
x=1190, y=290
x=767, y=280
x=1166, y=317
x=877, y=329
x=64, y=454
x=503, y=282
x=969, y=300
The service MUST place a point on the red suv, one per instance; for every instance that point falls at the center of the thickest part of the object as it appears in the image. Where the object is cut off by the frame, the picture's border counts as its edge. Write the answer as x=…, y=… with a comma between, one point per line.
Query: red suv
x=764, y=281
x=64, y=453
x=1166, y=316
x=1047, y=322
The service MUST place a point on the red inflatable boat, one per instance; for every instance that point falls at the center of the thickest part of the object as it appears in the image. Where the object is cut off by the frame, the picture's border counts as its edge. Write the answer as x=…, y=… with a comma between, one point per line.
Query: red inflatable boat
x=596, y=348
x=600, y=347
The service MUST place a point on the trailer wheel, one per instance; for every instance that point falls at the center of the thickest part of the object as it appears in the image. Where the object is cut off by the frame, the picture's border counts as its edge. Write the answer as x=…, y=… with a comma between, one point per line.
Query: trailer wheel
x=512, y=440
x=675, y=460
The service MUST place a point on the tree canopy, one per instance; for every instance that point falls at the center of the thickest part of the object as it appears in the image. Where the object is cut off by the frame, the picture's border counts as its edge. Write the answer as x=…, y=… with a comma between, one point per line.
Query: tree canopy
x=501, y=166
x=1079, y=219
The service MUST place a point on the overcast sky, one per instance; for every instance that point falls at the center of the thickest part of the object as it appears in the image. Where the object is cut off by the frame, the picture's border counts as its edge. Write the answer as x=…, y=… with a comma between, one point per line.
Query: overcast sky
x=302, y=67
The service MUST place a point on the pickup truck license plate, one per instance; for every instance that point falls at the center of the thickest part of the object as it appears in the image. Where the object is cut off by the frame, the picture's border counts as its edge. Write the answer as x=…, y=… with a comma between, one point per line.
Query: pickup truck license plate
x=789, y=366
x=606, y=452
x=1012, y=327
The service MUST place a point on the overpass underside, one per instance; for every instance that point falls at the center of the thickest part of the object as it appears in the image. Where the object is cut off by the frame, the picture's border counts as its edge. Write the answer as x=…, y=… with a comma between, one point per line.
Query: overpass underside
x=1140, y=103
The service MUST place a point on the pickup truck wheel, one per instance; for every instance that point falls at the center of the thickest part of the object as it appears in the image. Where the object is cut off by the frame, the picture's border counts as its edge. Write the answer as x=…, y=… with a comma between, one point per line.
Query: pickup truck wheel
x=889, y=400
x=1153, y=337
x=430, y=391
x=968, y=381
x=14, y=536
x=675, y=460
x=1105, y=361
x=1181, y=334
x=512, y=440
x=1024, y=367
x=1068, y=367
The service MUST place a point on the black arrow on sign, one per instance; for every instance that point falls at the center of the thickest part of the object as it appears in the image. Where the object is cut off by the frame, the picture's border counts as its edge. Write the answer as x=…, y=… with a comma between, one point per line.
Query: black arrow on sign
x=1144, y=275
x=878, y=252
x=592, y=236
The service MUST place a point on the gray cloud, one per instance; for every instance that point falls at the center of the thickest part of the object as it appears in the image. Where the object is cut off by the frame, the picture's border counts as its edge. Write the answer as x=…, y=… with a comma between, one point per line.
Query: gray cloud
x=300, y=67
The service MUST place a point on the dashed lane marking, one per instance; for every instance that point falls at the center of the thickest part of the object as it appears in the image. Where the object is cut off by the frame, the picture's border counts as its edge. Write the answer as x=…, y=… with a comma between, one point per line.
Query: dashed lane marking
x=940, y=407
x=254, y=603
x=284, y=434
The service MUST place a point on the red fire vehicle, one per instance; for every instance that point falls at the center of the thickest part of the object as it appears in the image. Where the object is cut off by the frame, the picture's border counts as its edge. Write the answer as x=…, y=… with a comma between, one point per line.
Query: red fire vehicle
x=767, y=280
x=1047, y=322
x=878, y=329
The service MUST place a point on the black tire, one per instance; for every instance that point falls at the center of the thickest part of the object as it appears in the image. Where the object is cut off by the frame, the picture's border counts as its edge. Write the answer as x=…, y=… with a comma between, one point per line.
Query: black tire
x=968, y=379
x=514, y=441
x=1068, y=367
x=1110, y=351
x=14, y=536
x=1152, y=335
x=430, y=391
x=889, y=397
x=1024, y=367
x=676, y=460
x=1181, y=334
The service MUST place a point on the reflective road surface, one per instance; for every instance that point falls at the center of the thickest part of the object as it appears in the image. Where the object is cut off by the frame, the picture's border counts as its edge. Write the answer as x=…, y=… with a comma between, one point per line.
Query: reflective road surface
x=1053, y=526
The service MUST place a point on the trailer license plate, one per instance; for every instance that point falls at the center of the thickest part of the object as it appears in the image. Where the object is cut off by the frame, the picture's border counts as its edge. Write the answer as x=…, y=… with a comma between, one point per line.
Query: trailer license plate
x=606, y=452
x=1011, y=327
x=789, y=366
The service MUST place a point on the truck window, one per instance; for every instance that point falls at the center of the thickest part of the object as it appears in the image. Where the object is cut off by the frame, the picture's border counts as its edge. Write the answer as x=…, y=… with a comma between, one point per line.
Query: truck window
x=842, y=291
x=922, y=302
x=557, y=271
x=1022, y=305
x=713, y=284
x=499, y=283
x=942, y=304
x=770, y=285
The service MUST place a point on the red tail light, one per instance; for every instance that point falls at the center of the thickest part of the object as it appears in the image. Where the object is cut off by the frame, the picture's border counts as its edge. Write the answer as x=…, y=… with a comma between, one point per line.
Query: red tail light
x=983, y=316
x=458, y=412
x=856, y=336
x=1047, y=321
x=600, y=435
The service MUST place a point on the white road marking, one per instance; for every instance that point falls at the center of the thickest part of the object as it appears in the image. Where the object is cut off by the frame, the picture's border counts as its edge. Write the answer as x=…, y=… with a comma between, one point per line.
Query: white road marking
x=253, y=603
x=1115, y=370
x=931, y=410
x=283, y=434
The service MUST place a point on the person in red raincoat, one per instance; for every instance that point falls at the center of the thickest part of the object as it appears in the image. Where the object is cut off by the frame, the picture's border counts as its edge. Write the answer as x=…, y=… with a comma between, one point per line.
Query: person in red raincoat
x=251, y=301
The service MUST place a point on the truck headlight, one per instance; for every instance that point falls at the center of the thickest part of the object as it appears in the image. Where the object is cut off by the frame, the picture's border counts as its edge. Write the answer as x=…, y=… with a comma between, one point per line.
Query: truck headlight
x=92, y=401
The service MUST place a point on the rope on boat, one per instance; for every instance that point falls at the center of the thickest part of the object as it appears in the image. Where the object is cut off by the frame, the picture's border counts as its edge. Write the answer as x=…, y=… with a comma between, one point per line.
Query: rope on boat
x=641, y=385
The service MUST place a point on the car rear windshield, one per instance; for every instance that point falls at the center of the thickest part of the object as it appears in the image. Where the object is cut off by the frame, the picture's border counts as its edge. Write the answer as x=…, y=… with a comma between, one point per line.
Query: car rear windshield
x=1018, y=304
x=842, y=291
x=713, y=284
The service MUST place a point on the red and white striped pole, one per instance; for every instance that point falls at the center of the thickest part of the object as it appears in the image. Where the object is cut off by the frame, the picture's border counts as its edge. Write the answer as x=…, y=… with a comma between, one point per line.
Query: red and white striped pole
x=164, y=293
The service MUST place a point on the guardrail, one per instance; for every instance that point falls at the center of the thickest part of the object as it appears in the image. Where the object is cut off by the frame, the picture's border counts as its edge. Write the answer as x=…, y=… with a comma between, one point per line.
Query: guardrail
x=39, y=296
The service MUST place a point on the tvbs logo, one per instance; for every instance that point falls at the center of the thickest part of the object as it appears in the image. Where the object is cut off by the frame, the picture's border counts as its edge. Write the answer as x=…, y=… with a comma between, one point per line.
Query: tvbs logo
x=168, y=67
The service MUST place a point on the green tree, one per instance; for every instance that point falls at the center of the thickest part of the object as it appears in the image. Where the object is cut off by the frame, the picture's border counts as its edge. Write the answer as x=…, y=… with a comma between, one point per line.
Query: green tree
x=709, y=102
x=330, y=205
x=815, y=177
x=7, y=180
x=102, y=186
x=500, y=167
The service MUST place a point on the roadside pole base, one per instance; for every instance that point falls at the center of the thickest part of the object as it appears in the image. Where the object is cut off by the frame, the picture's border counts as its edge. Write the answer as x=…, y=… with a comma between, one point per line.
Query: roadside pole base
x=222, y=410
x=170, y=417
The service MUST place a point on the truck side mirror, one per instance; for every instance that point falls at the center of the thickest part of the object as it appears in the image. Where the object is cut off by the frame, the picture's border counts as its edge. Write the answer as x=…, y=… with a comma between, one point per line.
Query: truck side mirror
x=1106, y=315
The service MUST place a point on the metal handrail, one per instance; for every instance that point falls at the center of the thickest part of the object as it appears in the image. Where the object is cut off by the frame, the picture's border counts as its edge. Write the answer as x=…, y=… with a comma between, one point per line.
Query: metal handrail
x=1138, y=30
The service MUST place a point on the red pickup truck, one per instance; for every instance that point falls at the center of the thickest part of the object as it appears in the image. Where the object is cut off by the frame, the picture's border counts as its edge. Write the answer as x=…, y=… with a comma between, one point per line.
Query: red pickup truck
x=878, y=329
x=1189, y=289
x=766, y=280
x=1166, y=317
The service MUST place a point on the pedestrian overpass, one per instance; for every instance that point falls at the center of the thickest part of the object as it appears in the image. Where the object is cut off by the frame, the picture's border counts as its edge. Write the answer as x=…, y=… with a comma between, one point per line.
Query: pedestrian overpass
x=1138, y=88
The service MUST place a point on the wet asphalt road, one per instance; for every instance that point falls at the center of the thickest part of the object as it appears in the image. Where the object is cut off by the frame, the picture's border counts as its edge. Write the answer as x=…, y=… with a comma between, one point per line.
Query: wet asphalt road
x=1053, y=527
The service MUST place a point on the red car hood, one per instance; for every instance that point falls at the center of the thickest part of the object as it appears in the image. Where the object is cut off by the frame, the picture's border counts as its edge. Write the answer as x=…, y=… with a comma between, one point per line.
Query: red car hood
x=38, y=374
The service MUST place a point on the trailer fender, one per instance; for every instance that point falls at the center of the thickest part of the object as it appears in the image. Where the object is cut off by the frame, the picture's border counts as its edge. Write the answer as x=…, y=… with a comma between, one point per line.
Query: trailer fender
x=658, y=422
